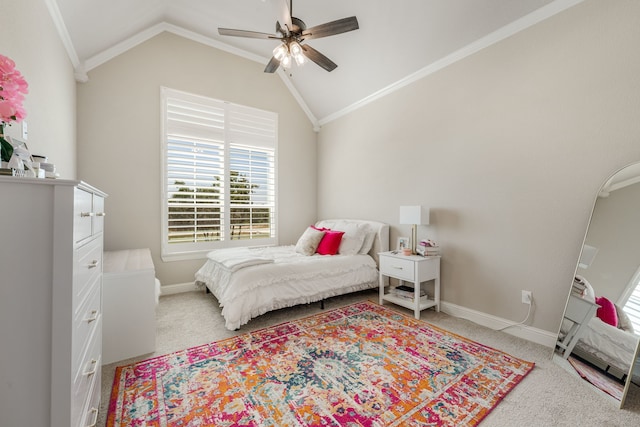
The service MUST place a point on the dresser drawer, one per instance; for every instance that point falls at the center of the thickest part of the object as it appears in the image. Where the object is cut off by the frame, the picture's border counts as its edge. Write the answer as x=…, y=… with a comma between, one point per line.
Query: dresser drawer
x=402, y=269
x=84, y=381
x=90, y=418
x=83, y=208
x=88, y=215
x=97, y=225
x=87, y=267
x=86, y=320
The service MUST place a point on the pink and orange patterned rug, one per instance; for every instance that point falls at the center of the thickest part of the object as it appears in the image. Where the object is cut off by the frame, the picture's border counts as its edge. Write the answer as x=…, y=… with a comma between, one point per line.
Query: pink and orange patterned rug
x=597, y=378
x=360, y=365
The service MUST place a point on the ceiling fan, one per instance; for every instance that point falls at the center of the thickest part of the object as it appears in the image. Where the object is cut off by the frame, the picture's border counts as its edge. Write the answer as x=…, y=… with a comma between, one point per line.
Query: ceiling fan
x=292, y=32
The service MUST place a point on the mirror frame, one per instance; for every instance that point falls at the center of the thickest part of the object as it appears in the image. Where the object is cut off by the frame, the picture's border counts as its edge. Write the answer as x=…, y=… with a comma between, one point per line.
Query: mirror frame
x=604, y=189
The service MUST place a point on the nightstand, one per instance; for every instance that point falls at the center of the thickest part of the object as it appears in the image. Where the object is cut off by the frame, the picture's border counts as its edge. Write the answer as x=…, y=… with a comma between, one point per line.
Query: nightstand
x=411, y=268
x=579, y=311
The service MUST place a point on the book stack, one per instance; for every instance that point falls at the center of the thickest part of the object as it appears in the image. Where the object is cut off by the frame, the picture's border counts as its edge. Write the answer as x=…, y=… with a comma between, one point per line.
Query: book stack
x=579, y=288
x=407, y=292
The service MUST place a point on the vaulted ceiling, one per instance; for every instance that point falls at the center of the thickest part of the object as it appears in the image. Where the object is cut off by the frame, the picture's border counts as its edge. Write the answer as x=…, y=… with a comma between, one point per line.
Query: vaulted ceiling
x=398, y=40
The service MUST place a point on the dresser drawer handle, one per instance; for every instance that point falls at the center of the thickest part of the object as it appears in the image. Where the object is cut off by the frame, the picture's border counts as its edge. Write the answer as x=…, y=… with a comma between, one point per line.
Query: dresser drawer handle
x=93, y=411
x=94, y=316
x=398, y=268
x=87, y=214
x=93, y=264
x=94, y=366
x=101, y=214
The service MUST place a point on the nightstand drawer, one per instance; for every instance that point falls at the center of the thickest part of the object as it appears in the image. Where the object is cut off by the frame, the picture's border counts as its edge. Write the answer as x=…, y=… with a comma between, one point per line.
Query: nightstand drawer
x=578, y=309
x=402, y=269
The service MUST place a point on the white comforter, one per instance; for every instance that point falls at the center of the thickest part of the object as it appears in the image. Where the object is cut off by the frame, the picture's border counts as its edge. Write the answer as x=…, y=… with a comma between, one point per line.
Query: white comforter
x=275, y=277
x=612, y=345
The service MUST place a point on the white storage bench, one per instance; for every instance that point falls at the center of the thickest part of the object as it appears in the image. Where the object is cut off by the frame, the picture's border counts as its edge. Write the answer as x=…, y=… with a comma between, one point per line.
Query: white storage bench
x=130, y=292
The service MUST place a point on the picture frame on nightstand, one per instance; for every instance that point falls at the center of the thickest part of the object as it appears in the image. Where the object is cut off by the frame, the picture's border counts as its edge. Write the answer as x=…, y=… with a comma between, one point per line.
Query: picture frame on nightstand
x=403, y=242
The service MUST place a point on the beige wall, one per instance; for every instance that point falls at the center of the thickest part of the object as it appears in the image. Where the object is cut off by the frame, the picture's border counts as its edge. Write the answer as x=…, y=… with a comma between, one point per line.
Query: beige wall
x=119, y=138
x=508, y=147
x=29, y=37
x=615, y=231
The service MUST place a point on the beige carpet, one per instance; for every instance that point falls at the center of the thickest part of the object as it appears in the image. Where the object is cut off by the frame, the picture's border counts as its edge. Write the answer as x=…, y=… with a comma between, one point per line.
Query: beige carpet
x=548, y=396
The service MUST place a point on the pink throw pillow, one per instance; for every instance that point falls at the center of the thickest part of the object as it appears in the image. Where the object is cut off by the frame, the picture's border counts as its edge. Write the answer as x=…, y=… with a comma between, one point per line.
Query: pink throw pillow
x=330, y=243
x=607, y=311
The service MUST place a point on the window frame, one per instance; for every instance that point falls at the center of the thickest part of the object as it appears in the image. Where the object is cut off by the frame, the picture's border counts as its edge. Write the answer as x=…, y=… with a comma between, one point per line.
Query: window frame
x=199, y=250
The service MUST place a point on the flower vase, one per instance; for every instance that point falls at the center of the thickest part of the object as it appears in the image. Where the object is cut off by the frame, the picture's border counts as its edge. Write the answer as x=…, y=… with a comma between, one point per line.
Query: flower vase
x=7, y=148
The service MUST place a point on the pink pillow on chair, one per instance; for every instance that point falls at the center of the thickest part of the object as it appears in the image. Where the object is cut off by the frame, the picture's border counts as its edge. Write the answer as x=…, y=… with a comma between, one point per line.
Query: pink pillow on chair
x=607, y=311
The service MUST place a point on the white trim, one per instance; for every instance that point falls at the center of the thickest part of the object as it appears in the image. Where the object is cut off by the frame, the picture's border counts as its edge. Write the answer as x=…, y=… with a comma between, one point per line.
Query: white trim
x=539, y=336
x=507, y=31
x=153, y=31
x=179, y=288
x=56, y=16
x=521, y=24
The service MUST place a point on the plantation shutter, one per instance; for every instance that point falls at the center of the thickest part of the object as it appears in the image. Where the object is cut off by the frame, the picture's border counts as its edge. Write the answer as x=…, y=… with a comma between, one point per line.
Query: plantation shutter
x=219, y=174
x=632, y=305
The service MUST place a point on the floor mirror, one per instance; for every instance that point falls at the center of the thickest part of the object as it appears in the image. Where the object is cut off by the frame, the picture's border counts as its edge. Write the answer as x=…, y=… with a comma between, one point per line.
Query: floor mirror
x=599, y=338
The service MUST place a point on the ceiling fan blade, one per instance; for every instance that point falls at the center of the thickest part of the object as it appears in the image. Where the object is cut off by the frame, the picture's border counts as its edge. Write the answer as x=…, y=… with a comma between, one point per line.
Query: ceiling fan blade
x=330, y=28
x=318, y=58
x=283, y=12
x=244, y=33
x=272, y=66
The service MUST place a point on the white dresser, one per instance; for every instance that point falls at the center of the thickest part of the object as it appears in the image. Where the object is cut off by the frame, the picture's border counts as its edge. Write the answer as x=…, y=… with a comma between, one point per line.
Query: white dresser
x=50, y=302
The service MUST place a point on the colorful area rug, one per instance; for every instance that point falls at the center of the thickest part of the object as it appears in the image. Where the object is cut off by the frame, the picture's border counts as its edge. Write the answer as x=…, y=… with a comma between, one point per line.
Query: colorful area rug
x=597, y=378
x=360, y=365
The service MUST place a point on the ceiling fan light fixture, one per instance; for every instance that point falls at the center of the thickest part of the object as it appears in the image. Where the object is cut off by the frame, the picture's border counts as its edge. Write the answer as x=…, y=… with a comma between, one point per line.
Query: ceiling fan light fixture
x=290, y=33
x=280, y=51
x=286, y=61
x=296, y=52
x=295, y=49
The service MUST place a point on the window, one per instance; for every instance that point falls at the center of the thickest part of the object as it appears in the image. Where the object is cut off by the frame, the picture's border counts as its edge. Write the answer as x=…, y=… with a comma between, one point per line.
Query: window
x=630, y=301
x=219, y=186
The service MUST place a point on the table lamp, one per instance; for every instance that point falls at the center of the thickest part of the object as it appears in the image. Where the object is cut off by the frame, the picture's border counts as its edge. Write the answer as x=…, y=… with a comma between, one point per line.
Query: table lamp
x=414, y=215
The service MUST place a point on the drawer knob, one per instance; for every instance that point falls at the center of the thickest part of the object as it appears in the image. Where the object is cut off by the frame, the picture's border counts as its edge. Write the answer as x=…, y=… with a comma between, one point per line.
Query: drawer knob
x=93, y=316
x=93, y=264
x=93, y=411
x=93, y=366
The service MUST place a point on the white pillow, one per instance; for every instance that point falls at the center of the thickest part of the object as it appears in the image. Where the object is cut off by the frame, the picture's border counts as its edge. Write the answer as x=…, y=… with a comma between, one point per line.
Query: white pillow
x=309, y=241
x=368, y=242
x=352, y=239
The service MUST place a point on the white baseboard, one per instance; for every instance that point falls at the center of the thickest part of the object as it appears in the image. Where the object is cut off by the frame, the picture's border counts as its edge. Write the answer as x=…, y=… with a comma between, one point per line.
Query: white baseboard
x=179, y=288
x=528, y=333
x=539, y=336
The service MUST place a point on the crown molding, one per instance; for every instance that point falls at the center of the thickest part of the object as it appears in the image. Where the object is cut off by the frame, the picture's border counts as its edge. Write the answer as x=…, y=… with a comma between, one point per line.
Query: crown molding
x=153, y=31
x=81, y=69
x=56, y=16
x=521, y=24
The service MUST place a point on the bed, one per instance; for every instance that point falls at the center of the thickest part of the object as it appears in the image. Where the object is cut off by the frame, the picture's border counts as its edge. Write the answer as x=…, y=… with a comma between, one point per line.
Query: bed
x=249, y=282
x=612, y=348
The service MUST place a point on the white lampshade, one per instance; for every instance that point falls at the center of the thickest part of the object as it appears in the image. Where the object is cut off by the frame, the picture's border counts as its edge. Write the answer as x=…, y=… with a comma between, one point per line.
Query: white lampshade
x=587, y=256
x=414, y=215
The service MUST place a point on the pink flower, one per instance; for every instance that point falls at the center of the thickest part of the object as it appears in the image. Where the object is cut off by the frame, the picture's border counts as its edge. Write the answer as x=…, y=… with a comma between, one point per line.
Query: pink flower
x=13, y=87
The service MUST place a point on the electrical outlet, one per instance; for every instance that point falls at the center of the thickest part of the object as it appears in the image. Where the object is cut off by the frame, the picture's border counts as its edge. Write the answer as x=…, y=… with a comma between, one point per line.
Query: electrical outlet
x=526, y=297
